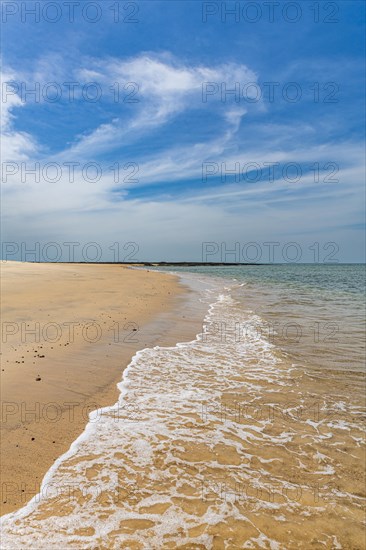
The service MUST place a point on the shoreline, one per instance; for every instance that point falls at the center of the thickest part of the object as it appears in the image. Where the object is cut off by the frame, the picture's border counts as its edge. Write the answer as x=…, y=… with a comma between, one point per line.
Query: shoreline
x=202, y=424
x=48, y=393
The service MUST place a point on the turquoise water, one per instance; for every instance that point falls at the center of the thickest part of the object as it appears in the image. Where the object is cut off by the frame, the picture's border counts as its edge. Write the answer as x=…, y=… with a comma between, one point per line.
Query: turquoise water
x=342, y=278
x=314, y=313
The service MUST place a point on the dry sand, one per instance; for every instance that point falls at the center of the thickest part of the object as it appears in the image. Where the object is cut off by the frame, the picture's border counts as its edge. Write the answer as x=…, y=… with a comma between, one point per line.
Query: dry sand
x=56, y=367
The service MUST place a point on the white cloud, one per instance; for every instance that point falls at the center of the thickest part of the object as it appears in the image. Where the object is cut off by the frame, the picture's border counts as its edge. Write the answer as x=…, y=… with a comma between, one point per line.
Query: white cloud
x=163, y=85
x=165, y=88
x=15, y=145
x=168, y=87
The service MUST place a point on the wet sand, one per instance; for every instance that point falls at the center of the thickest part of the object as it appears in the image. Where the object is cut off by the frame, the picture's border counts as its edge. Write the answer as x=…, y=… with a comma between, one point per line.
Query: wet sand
x=68, y=331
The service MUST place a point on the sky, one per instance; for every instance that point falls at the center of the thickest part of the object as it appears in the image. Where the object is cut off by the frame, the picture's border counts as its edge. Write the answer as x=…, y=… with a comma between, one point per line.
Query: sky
x=183, y=130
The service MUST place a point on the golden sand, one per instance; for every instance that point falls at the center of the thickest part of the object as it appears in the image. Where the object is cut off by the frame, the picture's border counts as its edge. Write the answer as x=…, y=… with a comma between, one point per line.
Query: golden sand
x=67, y=333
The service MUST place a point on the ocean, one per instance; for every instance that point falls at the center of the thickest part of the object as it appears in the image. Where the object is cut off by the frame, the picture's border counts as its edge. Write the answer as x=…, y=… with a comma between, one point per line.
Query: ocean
x=249, y=436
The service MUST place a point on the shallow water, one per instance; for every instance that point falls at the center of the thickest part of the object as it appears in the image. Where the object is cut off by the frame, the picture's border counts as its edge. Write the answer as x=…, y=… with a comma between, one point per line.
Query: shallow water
x=251, y=436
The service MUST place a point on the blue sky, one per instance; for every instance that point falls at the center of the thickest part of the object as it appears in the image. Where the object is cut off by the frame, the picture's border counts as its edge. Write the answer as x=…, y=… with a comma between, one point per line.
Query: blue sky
x=195, y=165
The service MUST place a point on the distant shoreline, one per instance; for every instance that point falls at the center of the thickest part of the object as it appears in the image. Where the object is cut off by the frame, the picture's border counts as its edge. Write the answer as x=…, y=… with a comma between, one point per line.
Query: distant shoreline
x=186, y=264
x=145, y=264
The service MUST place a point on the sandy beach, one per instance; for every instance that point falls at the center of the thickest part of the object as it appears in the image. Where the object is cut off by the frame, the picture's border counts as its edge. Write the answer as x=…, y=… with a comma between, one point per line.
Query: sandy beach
x=67, y=333
x=230, y=439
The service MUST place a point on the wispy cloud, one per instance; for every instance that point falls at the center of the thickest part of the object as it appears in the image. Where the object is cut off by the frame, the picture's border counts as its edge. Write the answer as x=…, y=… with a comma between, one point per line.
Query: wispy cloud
x=170, y=89
x=15, y=145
